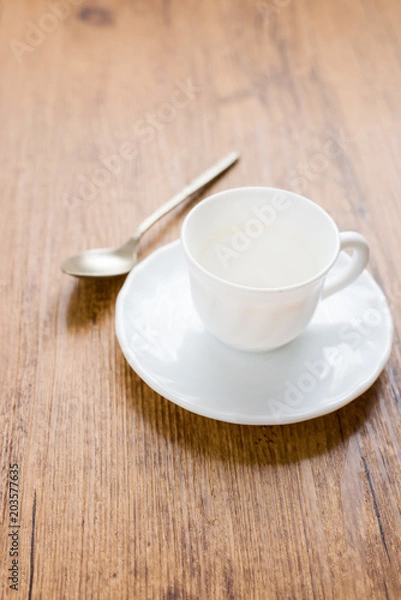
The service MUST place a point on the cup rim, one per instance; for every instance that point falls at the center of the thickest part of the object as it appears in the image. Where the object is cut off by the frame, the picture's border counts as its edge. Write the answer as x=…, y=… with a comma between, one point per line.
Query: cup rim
x=246, y=288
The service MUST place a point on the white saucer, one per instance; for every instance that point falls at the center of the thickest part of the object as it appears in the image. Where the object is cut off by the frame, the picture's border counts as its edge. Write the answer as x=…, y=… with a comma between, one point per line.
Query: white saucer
x=337, y=358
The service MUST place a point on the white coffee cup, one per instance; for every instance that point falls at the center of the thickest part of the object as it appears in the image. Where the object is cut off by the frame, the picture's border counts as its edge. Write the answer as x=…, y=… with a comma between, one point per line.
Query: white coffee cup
x=258, y=259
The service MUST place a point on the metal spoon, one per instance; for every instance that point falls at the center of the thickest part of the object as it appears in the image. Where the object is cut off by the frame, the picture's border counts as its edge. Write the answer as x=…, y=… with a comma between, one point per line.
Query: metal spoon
x=107, y=262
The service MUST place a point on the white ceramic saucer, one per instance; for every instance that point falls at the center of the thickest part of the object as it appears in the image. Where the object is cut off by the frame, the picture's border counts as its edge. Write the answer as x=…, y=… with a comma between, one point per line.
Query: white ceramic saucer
x=337, y=358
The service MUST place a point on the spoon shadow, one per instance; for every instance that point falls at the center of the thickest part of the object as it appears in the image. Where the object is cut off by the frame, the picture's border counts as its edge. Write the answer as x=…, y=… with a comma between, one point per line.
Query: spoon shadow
x=91, y=301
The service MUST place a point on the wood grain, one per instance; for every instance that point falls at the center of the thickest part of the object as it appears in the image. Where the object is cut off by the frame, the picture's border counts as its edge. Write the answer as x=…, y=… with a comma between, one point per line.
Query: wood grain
x=124, y=495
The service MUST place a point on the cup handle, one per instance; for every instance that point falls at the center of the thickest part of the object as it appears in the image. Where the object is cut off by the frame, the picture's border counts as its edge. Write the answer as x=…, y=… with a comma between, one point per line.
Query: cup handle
x=358, y=262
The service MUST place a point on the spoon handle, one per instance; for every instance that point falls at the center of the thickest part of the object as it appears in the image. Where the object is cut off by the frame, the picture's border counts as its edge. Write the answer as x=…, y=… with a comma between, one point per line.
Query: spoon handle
x=195, y=185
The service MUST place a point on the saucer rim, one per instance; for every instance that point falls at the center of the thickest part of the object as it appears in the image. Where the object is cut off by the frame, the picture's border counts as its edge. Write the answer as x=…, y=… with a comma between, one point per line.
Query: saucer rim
x=238, y=418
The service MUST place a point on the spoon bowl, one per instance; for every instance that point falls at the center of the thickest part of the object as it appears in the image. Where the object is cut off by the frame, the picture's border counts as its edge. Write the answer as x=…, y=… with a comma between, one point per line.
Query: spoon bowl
x=100, y=262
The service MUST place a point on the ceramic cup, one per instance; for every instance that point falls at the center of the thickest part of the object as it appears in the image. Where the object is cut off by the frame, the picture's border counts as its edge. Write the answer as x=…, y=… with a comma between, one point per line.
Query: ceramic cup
x=259, y=262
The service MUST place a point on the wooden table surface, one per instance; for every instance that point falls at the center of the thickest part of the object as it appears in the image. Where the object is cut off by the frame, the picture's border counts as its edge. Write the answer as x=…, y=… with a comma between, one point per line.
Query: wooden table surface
x=121, y=493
